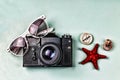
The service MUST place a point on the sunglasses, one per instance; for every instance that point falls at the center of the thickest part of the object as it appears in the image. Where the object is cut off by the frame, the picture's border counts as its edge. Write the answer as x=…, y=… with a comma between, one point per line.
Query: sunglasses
x=37, y=29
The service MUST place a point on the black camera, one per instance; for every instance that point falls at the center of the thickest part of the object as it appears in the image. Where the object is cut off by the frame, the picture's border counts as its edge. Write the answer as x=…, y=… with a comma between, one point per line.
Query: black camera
x=49, y=51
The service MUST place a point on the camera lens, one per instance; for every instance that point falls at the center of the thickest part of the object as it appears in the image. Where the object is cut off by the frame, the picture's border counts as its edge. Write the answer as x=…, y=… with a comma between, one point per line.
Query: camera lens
x=48, y=53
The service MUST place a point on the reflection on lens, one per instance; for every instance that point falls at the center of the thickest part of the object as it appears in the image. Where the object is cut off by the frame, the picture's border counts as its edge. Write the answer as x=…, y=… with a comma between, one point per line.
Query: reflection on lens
x=17, y=45
x=48, y=53
x=38, y=26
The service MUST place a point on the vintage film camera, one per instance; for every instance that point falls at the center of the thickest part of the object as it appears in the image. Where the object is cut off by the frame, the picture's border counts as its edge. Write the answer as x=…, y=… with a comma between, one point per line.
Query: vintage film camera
x=49, y=51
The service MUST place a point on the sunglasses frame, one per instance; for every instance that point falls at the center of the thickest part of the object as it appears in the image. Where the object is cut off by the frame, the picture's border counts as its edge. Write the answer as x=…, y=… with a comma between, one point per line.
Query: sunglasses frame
x=27, y=33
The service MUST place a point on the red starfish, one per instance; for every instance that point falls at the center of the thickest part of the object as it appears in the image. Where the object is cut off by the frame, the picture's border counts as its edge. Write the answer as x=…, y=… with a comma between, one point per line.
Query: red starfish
x=92, y=56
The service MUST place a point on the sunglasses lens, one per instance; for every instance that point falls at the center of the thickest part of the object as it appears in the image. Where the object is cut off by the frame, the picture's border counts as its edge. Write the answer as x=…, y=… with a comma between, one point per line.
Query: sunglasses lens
x=38, y=26
x=17, y=45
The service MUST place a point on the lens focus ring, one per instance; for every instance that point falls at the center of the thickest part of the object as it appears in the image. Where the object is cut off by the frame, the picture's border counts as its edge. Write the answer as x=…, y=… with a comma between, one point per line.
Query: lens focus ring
x=50, y=54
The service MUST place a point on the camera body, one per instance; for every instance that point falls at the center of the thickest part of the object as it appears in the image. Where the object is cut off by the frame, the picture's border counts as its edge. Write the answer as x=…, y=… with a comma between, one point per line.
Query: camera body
x=49, y=51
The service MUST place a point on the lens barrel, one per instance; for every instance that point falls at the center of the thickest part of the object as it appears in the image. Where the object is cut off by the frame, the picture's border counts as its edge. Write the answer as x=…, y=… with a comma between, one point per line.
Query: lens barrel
x=50, y=54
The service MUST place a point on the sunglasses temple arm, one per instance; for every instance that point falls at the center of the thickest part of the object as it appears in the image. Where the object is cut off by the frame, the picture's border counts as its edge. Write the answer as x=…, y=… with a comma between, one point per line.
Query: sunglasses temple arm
x=46, y=31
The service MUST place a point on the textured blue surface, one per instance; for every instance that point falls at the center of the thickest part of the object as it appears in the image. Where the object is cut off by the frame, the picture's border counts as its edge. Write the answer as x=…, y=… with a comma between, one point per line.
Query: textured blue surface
x=99, y=17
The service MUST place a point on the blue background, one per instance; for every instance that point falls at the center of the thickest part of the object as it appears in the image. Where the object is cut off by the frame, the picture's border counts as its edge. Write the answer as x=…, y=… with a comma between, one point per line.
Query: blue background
x=98, y=17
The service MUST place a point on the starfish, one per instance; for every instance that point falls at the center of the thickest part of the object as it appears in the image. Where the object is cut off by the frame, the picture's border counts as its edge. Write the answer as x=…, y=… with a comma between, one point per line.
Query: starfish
x=92, y=56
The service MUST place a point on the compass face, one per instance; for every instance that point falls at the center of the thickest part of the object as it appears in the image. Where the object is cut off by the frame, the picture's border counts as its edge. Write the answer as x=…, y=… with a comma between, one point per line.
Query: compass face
x=86, y=38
